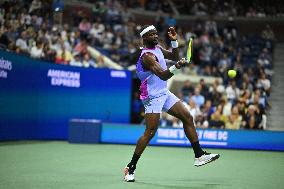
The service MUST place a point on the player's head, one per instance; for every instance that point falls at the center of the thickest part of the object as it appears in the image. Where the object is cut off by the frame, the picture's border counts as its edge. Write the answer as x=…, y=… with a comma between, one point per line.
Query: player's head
x=149, y=35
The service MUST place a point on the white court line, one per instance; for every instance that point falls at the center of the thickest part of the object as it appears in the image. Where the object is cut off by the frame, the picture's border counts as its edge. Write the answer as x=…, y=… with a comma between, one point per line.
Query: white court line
x=171, y=141
x=184, y=142
x=213, y=143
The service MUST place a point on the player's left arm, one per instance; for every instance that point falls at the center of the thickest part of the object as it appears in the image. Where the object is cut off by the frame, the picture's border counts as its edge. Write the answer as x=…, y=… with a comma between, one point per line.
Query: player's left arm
x=174, y=54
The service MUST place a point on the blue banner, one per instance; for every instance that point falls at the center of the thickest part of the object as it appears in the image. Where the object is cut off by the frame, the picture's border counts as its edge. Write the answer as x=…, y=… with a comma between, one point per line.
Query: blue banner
x=37, y=98
x=210, y=138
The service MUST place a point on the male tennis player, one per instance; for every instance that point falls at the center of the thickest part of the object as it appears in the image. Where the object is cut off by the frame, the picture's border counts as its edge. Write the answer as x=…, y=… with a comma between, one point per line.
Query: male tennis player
x=153, y=73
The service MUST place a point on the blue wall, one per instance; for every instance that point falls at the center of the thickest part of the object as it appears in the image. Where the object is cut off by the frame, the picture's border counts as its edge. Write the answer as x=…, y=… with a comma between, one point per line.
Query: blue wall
x=241, y=139
x=38, y=98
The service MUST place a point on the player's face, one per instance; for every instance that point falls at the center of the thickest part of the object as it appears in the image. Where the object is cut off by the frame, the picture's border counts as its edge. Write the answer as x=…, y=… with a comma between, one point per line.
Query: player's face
x=152, y=37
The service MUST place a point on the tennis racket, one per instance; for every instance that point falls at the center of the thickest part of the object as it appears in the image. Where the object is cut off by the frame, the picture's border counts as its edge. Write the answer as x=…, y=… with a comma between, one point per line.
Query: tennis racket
x=189, y=51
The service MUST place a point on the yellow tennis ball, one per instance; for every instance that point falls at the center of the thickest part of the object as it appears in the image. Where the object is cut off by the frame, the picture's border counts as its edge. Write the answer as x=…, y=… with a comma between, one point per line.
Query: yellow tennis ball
x=232, y=73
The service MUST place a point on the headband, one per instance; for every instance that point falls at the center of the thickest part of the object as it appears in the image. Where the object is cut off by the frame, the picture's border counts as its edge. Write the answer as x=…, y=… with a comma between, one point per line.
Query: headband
x=147, y=29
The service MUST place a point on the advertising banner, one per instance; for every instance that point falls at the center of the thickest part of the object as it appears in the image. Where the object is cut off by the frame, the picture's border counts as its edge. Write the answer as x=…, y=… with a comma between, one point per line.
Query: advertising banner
x=37, y=98
x=211, y=138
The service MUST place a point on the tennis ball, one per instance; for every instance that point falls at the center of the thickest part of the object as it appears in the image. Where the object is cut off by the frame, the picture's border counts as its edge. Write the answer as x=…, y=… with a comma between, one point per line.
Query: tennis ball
x=232, y=73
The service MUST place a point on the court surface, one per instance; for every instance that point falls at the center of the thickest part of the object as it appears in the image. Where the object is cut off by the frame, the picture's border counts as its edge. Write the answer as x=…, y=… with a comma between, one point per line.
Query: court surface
x=60, y=165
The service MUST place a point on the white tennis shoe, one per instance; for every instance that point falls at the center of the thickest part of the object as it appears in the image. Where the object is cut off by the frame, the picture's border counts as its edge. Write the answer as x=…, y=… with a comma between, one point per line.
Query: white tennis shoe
x=205, y=158
x=129, y=175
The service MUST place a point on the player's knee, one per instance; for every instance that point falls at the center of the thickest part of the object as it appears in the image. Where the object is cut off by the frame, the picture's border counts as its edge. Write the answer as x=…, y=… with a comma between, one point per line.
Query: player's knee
x=150, y=133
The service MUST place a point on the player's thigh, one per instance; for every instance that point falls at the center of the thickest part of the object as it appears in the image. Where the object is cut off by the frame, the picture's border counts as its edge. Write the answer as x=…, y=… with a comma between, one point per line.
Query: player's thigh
x=179, y=111
x=170, y=101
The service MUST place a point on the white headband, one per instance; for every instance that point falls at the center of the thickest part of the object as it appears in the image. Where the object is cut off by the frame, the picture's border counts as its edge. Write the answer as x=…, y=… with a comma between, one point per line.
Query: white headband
x=147, y=29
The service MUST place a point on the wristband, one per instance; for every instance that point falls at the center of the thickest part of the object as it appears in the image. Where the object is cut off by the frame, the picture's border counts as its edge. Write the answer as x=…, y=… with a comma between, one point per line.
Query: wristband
x=174, y=44
x=173, y=69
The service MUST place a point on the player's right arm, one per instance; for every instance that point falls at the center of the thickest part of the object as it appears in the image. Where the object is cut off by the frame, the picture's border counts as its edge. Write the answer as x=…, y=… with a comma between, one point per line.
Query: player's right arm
x=149, y=63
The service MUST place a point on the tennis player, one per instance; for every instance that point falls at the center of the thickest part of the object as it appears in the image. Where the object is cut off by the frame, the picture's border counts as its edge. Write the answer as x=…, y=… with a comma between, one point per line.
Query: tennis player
x=153, y=73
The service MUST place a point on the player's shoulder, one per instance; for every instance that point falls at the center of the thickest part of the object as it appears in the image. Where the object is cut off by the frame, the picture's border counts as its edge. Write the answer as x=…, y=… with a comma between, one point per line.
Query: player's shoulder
x=146, y=54
x=148, y=57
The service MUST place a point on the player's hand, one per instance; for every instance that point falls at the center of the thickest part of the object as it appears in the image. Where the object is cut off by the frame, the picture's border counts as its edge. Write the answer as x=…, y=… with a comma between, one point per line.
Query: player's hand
x=181, y=63
x=172, y=34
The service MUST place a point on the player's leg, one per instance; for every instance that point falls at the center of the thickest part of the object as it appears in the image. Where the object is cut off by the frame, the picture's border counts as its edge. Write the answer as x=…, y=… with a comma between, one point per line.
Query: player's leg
x=175, y=108
x=179, y=111
x=153, y=109
x=152, y=122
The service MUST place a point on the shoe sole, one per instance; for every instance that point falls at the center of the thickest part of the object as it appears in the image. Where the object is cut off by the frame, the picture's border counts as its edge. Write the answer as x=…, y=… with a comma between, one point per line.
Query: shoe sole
x=125, y=173
x=211, y=160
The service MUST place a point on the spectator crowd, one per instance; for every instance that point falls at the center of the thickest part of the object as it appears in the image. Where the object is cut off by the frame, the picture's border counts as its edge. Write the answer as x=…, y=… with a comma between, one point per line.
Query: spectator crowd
x=28, y=27
x=222, y=8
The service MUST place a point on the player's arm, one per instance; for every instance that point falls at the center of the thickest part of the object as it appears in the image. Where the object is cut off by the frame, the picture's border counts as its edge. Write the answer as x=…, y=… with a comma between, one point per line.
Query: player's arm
x=149, y=63
x=174, y=54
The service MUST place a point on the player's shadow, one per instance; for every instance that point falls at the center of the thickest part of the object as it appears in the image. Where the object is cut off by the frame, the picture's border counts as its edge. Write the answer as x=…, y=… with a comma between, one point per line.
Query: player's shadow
x=172, y=186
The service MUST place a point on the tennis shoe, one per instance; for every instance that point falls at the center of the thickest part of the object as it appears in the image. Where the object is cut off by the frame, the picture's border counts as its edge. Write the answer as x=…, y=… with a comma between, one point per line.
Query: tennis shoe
x=129, y=175
x=205, y=158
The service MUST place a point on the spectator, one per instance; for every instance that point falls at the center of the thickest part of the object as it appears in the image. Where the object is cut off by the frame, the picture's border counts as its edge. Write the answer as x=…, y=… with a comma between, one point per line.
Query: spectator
x=108, y=38
x=4, y=39
x=205, y=54
x=77, y=60
x=262, y=99
x=88, y=61
x=187, y=89
x=215, y=92
x=226, y=106
x=97, y=32
x=232, y=91
x=216, y=122
x=22, y=43
x=193, y=109
x=81, y=47
x=264, y=59
x=208, y=109
x=269, y=37
x=264, y=83
x=259, y=110
x=234, y=120
x=211, y=27
x=201, y=122
x=224, y=63
x=85, y=27
x=230, y=30
x=268, y=33
x=35, y=5
x=241, y=104
x=37, y=50
x=197, y=97
x=203, y=88
x=252, y=120
x=113, y=16
x=63, y=56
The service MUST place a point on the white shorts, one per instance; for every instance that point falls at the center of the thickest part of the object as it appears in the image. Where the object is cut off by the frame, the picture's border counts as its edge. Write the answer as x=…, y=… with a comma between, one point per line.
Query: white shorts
x=161, y=103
